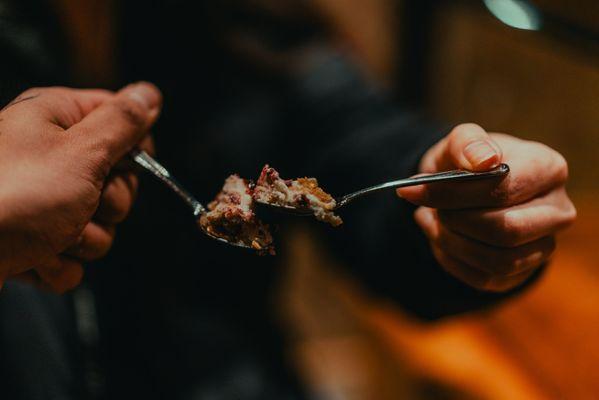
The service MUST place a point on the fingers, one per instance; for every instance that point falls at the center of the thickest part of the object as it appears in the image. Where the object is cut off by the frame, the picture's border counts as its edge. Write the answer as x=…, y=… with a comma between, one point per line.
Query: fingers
x=534, y=169
x=476, y=278
x=61, y=274
x=495, y=261
x=117, y=198
x=513, y=226
x=94, y=242
x=65, y=271
x=492, y=234
x=480, y=265
x=117, y=125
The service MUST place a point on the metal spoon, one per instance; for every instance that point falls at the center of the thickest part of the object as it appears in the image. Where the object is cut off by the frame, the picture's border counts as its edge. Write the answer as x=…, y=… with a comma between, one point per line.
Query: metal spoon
x=454, y=176
x=147, y=162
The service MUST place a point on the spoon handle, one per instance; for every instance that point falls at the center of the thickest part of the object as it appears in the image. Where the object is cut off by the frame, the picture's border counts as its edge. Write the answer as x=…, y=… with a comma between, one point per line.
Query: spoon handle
x=455, y=175
x=147, y=162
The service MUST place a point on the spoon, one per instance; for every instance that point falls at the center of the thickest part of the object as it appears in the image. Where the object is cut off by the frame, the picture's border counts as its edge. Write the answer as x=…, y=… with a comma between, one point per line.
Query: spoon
x=147, y=162
x=454, y=176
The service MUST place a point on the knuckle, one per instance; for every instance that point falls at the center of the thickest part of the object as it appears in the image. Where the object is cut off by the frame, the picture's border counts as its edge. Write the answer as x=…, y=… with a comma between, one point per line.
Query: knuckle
x=497, y=285
x=504, y=284
x=28, y=94
x=509, y=192
x=502, y=262
x=117, y=201
x=510, y=230
x=102, y=250
x=499, y=263
x=521, y=259
x=54, y=91
x=501, y=195
x=115, y=214
x=561, y=167
x=34, y=91
x=120, y=212
x=489, y=285
x=101, y=247
x=514, y=263
x=571, y=213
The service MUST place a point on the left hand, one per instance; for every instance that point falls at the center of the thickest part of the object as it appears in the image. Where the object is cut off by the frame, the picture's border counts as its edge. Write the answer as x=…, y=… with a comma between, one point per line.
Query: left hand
x=64, y=188
x=492, y=234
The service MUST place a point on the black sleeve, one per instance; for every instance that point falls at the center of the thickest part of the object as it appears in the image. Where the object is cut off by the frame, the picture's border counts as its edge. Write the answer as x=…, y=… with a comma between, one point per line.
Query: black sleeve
x=362, y=138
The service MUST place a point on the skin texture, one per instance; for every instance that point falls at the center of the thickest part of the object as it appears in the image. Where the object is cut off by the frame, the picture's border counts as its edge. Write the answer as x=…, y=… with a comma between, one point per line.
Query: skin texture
x=63, y=184
x=492, y=234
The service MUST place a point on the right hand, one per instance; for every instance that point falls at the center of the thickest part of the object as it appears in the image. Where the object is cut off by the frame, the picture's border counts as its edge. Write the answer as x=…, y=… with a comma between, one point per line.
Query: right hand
x=60, y=195
x=492, y=234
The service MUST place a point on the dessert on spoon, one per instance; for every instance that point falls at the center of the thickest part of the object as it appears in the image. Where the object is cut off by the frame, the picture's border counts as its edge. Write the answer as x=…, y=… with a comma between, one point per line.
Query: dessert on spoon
x=312, y=200
x=231, y=217
x=295, y=194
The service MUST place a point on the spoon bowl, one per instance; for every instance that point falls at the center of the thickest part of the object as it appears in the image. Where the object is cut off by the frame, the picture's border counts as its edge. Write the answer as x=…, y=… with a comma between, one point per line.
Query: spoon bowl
x=447, y=176
x=150, y=164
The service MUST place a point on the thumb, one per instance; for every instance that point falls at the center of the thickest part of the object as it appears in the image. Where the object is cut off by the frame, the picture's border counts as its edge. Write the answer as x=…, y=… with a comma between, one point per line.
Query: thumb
x=467, y=146
x=118, y=124
x=470, y=147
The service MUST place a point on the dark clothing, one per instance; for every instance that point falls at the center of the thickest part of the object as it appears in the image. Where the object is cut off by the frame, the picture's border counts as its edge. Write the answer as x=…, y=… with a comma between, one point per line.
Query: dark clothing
x=183, y=317
x=37, y=345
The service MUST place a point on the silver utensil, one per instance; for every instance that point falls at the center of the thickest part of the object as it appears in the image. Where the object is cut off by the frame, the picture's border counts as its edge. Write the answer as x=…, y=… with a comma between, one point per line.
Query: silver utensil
x=447, y=176
x=147, y=162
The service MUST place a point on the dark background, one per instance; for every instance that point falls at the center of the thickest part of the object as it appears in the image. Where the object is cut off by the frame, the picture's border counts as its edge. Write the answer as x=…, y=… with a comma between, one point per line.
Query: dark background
x=177, y=321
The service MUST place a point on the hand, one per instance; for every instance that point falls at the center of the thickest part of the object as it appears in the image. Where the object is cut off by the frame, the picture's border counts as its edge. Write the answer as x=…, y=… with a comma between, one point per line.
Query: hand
x=492, y=234
x=60, y=193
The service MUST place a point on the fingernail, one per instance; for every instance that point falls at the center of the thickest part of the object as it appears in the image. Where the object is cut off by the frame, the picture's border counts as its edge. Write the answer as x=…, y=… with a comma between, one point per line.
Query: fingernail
x=145, y=94
x=479, y=152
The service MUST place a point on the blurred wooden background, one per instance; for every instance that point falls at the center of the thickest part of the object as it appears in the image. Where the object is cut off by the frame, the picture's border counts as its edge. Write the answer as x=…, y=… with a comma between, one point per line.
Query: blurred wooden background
x=541, y=345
